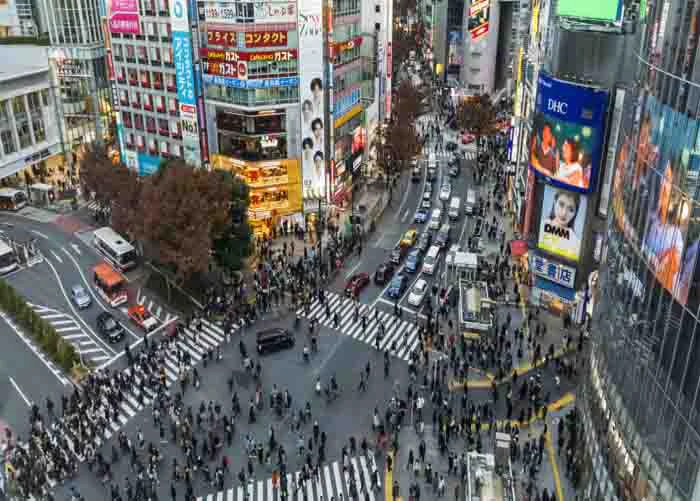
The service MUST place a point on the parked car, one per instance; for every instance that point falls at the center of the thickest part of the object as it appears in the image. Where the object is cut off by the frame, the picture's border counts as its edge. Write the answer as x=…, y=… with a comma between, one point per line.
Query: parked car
x=356, y=283
x=415, y=298
x=397, y=285
x=421, y=216
x=109, y=327
x=274, y=339
x=82, y=299
x=409, y=238
x=142, y=317
x=383, y=273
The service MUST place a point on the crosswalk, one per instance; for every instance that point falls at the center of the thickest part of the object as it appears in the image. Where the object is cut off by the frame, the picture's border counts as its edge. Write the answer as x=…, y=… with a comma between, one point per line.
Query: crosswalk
x=333, y=482
x=153, y=307
x=401, y=336
x=70, y=330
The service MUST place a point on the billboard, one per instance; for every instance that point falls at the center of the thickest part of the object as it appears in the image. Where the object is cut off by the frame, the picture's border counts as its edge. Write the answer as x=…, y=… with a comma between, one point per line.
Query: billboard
x=650, y=198
x=222, y=38
x=592, y=10
x=561, y=222
x=267, y=12
x=311, y=92
x=568, y=133
x=124, y=17
x=478, y=20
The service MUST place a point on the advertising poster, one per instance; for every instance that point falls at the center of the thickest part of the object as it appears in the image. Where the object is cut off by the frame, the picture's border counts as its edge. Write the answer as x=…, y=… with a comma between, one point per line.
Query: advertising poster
x=312, y=98
x=562, y=221
x=478, y=23
x=594, y=10
x=359, y=140
x=124, y=17
x=568, y=133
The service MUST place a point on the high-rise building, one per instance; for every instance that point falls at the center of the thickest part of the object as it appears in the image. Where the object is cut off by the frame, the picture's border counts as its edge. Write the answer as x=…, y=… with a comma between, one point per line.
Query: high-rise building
x=291, y=91
x=20, y=18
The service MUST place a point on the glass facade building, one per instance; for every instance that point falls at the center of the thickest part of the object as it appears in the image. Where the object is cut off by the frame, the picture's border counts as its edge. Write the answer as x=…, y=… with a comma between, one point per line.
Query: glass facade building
x=641, y=394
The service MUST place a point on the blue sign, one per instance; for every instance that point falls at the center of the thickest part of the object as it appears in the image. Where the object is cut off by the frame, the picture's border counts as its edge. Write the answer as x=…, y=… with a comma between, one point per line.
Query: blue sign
x=122, y=147
x=237, y=83
x=553, y=271
x=568, y=133
x=343, y=105
x=148, y=164
x=184, y=72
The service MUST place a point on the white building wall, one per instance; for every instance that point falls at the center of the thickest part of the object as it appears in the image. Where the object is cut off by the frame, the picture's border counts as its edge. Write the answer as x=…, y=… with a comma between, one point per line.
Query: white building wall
x=479, y=68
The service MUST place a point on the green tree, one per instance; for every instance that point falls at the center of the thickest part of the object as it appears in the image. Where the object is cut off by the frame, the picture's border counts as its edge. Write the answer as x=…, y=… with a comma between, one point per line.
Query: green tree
x=235, y=242
x=477, y=115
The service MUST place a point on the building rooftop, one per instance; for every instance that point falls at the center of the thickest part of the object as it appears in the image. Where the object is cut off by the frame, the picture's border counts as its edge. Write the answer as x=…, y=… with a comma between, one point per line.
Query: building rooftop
x=22, y=60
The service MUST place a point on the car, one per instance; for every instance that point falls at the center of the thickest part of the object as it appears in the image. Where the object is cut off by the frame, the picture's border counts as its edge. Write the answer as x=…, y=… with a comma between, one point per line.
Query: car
x=428, y=192
x=454, y=171
x=424, y=241
x=421, y=215
x=413, y=261
x=398, y=254
x=467, y=138
x=397, y=285
x=81, y=298
x=109, y=327
x=445, y=192
x=142, y=317
x=275, y=339
x=415, y=175
x=426, y=204
x=432, y=175
x=409, y=238
x=451, y=146
x=383, y=273
x=415, y=298
x=356, y=283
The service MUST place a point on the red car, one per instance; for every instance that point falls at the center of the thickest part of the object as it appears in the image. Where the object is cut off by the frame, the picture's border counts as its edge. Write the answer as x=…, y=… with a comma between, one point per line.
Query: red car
x=356, y=283
x=467, y=138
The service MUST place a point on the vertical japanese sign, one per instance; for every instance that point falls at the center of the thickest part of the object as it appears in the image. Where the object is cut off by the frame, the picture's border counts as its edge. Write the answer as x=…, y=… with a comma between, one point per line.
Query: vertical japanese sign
x=124, y=17
x=184, y=74
x=312, y=98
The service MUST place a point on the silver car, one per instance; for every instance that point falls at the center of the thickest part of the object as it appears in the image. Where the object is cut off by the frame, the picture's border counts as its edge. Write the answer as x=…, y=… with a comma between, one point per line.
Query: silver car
x=80, y=296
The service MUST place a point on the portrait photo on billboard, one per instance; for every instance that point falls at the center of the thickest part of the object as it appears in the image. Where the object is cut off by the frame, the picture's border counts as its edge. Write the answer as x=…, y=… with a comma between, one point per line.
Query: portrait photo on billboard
x=567, y=133
x=562, y=221
x=359, y=140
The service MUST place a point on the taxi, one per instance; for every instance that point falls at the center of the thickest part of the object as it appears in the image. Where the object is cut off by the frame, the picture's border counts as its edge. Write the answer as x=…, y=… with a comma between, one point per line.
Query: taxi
x=142, y=317
x=409, y=238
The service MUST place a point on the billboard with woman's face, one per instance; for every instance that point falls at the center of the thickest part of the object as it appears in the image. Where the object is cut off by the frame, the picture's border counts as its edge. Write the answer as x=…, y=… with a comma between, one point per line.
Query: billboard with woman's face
x=568, y=133
x=562, y=221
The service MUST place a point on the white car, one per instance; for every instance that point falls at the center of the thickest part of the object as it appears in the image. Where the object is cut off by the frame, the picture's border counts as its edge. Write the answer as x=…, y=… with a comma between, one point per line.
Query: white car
x=445, y=192
x=426, y=204
x=415, y=298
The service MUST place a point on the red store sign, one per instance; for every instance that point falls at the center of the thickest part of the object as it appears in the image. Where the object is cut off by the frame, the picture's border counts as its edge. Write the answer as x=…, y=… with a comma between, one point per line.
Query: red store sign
x=339, y=47
x=229, y=56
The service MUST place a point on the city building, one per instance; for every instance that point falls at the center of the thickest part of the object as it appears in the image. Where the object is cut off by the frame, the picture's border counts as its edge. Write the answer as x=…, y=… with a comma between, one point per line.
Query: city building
x=20, y=18
x=291, y=94
x=31, y=150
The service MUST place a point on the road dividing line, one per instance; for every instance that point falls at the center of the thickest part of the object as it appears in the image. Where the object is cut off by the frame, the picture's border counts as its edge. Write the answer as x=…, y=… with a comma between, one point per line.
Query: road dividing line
x=41, y=235
x=21, y=393
x=58, y=258
x=76, y=249
x=353, y=270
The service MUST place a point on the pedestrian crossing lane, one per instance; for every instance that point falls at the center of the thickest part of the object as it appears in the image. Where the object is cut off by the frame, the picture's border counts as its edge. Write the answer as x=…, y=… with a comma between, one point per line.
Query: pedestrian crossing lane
x=332, y=482
x=401, y=332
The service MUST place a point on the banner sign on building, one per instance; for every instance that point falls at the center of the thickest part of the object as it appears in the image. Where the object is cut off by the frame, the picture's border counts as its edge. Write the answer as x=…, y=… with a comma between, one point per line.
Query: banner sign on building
x=184, y=74
x=311, y=92
x=593, y=10
x=261, y=83
x=222, y=38
x=343, y=104
x=124, y=17
x=264, y=12
x=339, y=47
x=553, y=271
x=257, y=39
x=568, y=133
x=562, y=221
x=478, y=21
x=230, y=56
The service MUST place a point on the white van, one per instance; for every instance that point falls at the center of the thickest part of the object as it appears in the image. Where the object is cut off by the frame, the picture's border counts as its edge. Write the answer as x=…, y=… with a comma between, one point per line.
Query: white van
x=470, y=205
x=435, y=219
x=455, y=206
x=431, y=260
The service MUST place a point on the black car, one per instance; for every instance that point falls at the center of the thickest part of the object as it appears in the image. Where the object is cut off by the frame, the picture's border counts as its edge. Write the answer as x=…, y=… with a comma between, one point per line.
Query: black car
x=415, y=175
x=398, y=254
x=384, y=273
x=274, y=339
x=109, y=327
x=451, y=146
x=424, y=241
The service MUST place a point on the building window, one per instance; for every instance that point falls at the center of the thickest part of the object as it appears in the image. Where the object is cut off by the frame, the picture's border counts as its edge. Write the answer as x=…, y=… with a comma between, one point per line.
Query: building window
x=346, y=8
x=259, y=69
x=4, y=117
x=8, y=142
x=34, y=102
x=168, y=56
x=143, y=56
x=138, y=122
x=18, y=106
x=45, y=97
x=164, y=148
x=155, y=55
x=25, y=135
x=130, y=54
x=39, y=131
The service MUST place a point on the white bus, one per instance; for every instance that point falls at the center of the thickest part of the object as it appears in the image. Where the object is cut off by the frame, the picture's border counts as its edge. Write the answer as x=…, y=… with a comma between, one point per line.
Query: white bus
x=12, y=199
x=115, y=248
x=8, y=260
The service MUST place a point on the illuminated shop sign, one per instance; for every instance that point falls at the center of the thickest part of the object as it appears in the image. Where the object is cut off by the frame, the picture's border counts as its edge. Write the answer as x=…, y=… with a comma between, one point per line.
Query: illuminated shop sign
x=339, y=47
x=233, y=56
x=222, y=38
x=268, y=12
x=250, y=84
x=553, y=271
x=265, y=39
x=345, y=103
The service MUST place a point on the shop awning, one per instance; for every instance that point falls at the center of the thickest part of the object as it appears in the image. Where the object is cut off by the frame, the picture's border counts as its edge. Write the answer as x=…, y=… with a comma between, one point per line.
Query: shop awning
x=556, y=289
x=518, y=248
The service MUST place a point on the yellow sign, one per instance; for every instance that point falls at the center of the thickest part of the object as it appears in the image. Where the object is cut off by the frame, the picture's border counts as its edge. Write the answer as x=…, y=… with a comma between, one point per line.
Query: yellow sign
x=534, y=27
x=352, y=113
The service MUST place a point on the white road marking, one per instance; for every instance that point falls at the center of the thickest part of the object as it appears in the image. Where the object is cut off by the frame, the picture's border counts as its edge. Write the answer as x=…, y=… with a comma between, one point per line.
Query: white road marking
x=58, y=258
x=353, y=270
x=76, y=249
x=40, y=234
x=21, y=393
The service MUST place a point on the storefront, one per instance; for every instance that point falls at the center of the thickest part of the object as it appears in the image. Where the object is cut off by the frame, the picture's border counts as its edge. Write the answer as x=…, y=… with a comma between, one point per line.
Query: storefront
x=349, y=145
x=553, y=288
x=275, y=191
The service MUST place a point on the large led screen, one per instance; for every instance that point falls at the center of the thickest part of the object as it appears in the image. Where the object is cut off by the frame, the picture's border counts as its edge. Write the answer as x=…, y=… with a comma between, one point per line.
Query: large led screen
x=562, y=222
x=656, y=157
x=568, y=133
x=594, y=10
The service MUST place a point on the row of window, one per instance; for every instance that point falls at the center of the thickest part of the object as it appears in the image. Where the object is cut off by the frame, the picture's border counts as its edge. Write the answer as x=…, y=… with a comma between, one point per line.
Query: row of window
x=153, y=30
x=35, y=101
x=147, y=79
x=137, y=142
x=253, y=97
x=24, y=140
x=346, y=8
x=138, y=100
x=152, y=54
x=161, y=126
